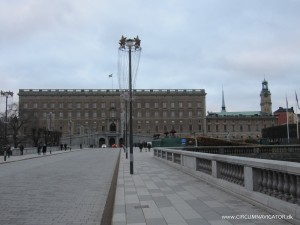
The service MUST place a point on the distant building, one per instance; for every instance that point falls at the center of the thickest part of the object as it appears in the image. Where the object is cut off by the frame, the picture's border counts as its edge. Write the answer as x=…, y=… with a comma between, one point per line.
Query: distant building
x=284, y=113
x=242, y=125
x=98, y=116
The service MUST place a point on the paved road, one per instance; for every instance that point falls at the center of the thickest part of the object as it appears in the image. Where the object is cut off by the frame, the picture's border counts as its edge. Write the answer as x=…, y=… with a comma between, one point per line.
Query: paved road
x=63, y=189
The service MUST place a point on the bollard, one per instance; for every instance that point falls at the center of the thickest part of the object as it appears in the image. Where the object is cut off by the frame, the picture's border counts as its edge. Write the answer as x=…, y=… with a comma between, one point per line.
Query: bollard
x=4, y=154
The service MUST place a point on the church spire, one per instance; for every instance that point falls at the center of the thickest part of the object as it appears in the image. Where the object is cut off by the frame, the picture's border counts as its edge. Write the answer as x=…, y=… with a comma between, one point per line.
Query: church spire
x=223, y=101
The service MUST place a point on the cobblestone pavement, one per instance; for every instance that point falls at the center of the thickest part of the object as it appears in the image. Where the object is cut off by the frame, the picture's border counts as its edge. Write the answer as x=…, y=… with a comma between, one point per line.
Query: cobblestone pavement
x=157, y=194
x=64, y=189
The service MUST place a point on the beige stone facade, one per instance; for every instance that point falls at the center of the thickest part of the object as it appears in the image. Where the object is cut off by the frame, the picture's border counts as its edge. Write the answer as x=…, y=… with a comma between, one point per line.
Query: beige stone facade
x=101, y=113
x=242, y=125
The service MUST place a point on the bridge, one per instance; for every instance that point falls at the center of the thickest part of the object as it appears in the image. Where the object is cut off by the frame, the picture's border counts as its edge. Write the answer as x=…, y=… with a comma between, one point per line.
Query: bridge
x=168, y=187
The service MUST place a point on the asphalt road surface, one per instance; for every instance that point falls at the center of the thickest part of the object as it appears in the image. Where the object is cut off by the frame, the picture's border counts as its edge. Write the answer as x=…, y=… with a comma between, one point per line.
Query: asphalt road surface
x=63, y=189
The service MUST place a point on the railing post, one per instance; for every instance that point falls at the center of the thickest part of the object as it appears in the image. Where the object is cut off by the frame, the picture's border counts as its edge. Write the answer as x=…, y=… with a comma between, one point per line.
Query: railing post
x=216, y=169
x=250, y=182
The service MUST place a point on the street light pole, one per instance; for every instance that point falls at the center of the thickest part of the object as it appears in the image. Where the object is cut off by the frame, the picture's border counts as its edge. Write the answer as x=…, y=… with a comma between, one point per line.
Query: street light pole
x=129, y=44
x=6, y=94
x=130, y=112
x=70, y=129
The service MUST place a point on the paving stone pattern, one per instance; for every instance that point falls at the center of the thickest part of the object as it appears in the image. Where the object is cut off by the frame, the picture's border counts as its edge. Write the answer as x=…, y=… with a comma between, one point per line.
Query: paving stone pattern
x=65, y=189
x=157, y=194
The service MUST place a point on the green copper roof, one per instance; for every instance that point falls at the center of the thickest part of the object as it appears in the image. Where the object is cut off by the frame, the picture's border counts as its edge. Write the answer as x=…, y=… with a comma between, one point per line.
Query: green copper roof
x=246, y=113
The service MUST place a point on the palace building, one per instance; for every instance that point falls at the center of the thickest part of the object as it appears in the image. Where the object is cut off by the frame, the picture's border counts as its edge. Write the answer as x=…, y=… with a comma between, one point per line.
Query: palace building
x=242, y=125
x=96, y=117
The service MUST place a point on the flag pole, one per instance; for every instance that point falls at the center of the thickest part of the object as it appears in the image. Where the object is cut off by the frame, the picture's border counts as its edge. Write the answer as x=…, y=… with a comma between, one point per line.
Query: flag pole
x=297, y=115
x=112, y=81
x=287, y=121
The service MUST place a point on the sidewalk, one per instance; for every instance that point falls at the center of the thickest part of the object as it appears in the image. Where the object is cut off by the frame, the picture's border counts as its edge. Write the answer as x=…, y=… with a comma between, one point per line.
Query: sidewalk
x=31, y=156
x=157, y=194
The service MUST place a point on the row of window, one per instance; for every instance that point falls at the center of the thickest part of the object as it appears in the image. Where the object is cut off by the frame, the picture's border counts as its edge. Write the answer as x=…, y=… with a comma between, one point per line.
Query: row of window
x=179, y=128
x=236, y=128
x=103, y=105
x=112, y=114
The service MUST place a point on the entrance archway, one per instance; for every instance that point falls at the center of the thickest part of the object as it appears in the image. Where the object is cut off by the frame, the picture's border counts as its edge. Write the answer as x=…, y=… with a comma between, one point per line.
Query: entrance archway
x=112, y=141
x=101, y=142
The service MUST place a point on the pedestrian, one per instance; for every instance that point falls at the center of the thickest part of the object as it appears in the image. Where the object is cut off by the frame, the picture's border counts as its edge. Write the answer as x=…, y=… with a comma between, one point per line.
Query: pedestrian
x=22, y=149
x=39, y=148
x=149, y=146
x=141, y=147
x=44, y=149
x=8, y=149
x=65, y=145
x=61, y=146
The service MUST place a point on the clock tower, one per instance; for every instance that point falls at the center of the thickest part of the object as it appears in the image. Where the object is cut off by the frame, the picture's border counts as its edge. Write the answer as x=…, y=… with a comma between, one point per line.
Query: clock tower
x=265, y=99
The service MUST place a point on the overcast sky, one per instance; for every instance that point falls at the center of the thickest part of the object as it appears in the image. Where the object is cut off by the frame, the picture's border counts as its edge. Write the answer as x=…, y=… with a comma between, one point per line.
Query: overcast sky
x=186, y=44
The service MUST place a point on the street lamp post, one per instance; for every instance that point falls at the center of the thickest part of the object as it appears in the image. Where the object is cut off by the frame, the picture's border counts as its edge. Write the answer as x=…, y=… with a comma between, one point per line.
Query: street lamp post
x=51, y=131
x=129, y=44
x=70, y=129
x=6, y=94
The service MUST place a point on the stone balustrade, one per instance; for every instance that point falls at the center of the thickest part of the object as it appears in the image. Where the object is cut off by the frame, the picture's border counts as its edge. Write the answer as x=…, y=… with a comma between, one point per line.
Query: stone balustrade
x=257, y=151
x=273, y=184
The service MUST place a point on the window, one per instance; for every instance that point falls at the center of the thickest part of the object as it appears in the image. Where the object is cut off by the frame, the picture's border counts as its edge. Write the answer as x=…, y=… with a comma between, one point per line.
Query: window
x=103, y=114
x=94, y=105
x=45, y=105
x=147, y=114
x=164, y=105
x=217, y=128
x=225, y=128
x=199, y=127
x=138, y=105
x=86, y=115
x=61, y=115
x=172, y=105
x=69, y=115
x=165, y=114
x=180, y=104
x=52, y=105
x=94, y=114
x=112, y=105
x=180, y=114
x=103, y=105
x=199, y=104
x=147, y=105
x=35, y=105
x=25, y=106
x=139, y=114
x=78, y=115
x=190, y=104
x=156, y=114
x=61, y=105
x=172, y=114
x=78, y=106
x=70, y=105
x=113, y=114
x=86, y=105
x=156, y=105
x=190, y=113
